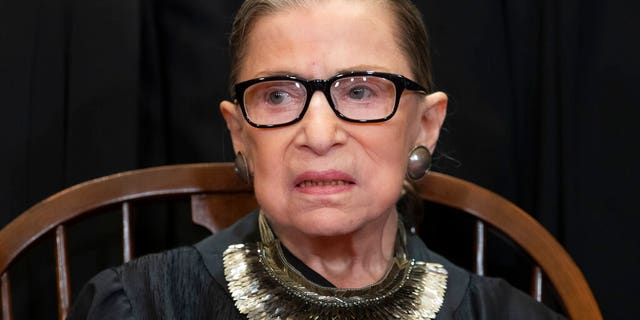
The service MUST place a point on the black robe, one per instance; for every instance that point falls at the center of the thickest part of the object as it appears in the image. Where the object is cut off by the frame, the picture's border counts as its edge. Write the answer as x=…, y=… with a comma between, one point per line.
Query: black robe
x=189, y=283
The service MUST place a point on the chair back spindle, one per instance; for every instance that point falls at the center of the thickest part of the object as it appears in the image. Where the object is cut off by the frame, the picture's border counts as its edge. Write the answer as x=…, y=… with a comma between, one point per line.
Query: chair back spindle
x=479, y=248
x=5, y=294
x=62, y=272
x=218, y=211
x=127, y=239
x=536, y=286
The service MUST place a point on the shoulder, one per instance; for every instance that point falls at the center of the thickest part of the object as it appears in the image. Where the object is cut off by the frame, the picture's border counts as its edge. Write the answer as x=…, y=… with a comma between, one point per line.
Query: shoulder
x=493, y=298
x=102, y=298
x=185, y=283
x=167, y=285
x=470, y=296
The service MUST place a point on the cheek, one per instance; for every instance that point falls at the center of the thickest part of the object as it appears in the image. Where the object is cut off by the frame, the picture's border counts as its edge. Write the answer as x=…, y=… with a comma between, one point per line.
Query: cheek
x=394, y=143
x=394, y=139
x=257, y=144
x=266, y=154
x=386, y=152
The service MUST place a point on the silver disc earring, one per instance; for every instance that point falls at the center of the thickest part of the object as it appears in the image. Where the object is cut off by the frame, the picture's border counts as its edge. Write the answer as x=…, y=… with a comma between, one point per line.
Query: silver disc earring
x=241, y=168
x=419, y=163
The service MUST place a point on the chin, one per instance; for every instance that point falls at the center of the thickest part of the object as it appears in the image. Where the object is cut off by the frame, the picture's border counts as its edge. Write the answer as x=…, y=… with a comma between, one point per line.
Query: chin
x=329, y=223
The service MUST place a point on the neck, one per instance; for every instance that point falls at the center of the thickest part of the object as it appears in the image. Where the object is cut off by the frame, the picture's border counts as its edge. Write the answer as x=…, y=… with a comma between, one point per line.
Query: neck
x=353, y=260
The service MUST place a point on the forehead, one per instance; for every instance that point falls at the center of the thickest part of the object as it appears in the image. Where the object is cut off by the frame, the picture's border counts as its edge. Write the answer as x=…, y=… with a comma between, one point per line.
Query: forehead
x=322, y=38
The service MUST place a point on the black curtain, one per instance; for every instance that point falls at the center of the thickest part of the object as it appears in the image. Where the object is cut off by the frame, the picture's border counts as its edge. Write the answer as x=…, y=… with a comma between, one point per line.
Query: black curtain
x=543, y=101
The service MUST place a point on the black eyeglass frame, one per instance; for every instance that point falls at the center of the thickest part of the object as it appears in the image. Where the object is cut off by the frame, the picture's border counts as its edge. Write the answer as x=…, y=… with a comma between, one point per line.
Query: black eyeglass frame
x=400, y=82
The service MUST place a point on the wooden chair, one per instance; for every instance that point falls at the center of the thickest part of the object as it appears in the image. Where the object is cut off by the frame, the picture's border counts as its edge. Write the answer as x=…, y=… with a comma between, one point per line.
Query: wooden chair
x=218, y=198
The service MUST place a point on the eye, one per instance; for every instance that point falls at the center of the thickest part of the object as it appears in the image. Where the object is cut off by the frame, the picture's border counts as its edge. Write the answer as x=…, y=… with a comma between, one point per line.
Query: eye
x=278, y=97
x=360, y=93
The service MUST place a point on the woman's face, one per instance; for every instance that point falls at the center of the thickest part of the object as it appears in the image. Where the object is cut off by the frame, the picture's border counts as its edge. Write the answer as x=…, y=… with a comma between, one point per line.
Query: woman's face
x=323, y=176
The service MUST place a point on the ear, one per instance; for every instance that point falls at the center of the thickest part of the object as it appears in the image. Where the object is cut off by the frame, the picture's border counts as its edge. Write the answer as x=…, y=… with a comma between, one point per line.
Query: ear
x=235, y=123
x=431, y=119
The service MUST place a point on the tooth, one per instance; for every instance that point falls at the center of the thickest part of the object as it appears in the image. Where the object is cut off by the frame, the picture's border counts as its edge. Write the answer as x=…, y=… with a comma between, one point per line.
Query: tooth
x=323, y=183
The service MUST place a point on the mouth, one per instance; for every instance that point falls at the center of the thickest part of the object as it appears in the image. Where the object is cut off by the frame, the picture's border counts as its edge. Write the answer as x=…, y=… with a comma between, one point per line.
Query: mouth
x=324, y=182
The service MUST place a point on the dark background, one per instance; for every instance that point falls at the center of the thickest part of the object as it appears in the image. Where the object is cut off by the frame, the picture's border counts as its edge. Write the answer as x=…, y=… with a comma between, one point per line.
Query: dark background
x=543, y=106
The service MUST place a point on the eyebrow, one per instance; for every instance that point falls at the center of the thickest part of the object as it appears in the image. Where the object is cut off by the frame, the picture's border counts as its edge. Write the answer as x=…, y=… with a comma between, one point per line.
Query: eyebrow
x=265, y=74
x=357, y=68
x=363, y=67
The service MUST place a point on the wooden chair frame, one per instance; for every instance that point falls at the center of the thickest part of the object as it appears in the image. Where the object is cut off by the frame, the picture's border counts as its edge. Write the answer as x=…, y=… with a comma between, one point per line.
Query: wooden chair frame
x=209, y=183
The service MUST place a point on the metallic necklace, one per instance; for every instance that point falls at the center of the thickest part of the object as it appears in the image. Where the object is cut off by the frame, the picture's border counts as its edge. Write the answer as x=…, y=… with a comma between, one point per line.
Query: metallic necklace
x=265, y=286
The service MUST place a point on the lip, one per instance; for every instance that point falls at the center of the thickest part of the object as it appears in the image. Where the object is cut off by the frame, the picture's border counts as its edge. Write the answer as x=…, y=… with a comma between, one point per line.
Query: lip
x=323, y=182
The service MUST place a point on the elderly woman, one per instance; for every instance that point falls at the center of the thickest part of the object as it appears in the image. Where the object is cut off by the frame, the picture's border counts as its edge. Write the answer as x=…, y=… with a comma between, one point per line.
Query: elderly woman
x=333, y=113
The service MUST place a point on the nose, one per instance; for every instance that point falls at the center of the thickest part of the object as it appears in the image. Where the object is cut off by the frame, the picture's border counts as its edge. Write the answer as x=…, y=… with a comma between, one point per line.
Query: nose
x=321, y=129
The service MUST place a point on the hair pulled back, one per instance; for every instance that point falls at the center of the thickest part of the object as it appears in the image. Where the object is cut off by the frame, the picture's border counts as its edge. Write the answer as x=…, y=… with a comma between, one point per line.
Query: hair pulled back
x=411, y=33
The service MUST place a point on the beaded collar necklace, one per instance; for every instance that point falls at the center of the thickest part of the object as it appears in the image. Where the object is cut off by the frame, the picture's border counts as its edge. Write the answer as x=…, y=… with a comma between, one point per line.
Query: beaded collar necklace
x=265, y=286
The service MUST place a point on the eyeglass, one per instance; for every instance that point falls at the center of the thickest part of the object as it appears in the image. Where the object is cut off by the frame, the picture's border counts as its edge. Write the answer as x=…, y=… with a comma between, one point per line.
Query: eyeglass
x=361, y=97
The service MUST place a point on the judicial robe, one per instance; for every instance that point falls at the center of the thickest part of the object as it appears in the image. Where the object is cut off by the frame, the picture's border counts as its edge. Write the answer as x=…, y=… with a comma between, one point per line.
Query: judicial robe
x=189, y=283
